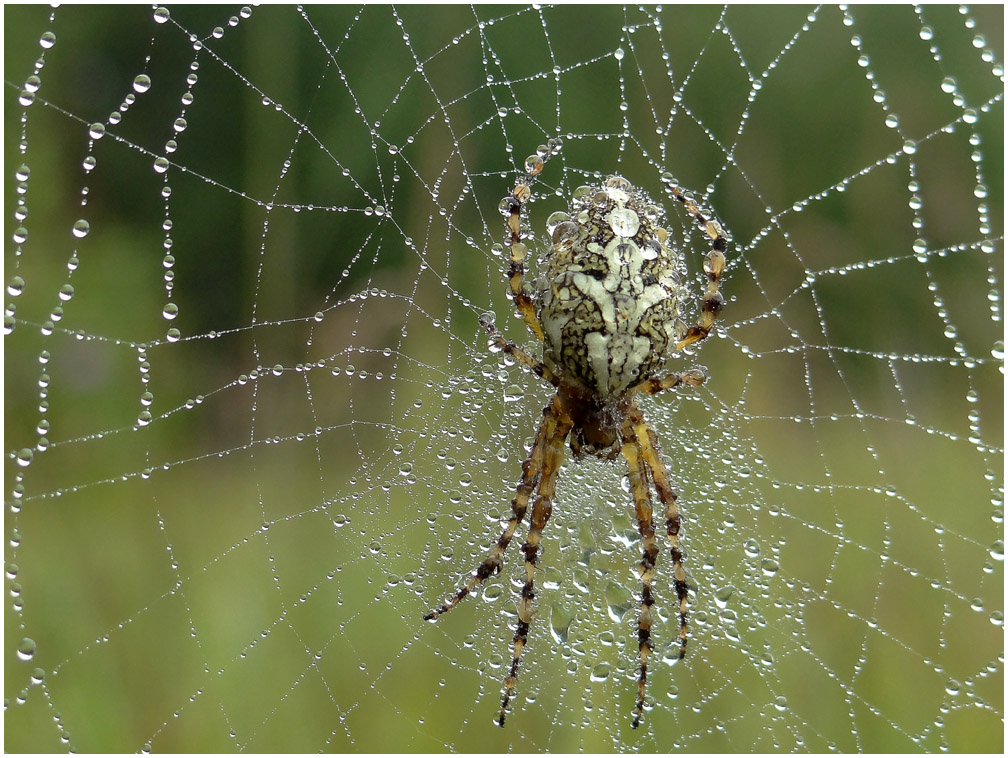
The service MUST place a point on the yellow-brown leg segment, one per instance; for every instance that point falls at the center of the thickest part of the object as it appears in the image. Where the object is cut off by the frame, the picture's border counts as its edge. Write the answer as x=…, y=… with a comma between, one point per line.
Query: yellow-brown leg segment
x=511, y=206
x=532, y=471
x=641, y=491
x=714, y=266
x=540, y=515
x=498, y=341
x=647, y=440
x=693, y=377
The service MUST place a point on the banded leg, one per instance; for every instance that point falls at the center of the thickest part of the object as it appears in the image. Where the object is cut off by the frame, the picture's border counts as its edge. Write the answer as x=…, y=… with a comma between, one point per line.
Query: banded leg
x=540, y=515
x=694, y=377
x=714, y=266
x=497, y=340
x=532, y=471
x=641, y=491
x=511, y=207
x=647, y=440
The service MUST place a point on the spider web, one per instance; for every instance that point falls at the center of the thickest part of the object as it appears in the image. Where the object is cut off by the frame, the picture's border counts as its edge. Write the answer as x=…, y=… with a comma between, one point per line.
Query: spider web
x=254, y=431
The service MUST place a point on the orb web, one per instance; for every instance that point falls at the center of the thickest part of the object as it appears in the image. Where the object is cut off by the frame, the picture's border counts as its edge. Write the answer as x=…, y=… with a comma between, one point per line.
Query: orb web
x=254, y=431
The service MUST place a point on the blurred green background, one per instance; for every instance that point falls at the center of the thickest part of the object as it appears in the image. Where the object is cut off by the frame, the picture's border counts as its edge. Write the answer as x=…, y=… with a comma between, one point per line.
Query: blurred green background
x=330, y=446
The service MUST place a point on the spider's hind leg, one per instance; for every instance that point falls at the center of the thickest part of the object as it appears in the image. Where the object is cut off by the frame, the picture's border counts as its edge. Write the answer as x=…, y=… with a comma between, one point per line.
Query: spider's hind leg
x=511, y=206
x=714, y=266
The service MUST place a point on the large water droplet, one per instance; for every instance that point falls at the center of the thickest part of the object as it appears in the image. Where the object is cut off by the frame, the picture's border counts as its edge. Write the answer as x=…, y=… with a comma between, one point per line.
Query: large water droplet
x=27, y=649
x=624, y=222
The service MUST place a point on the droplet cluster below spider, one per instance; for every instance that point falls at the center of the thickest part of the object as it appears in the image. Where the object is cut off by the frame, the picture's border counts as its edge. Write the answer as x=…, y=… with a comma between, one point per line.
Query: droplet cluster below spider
x=608, y=307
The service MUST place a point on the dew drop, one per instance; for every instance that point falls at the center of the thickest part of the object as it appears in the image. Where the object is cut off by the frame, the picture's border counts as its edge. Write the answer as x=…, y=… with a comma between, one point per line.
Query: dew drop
x=81, y=228
x=996, y=550
x=600, y=673
x=26, y=649
x=722, y=596
x=624, y=222
x=161, y=15
x=142, y=83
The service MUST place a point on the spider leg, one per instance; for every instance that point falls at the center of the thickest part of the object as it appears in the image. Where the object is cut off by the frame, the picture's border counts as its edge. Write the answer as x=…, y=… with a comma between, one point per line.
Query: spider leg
x=640, y=488
x=714, y=267
x=540, y=515
x=693, y=377
x=647, y=440
x=532, y=471
x=511, y=206
x=498, y=341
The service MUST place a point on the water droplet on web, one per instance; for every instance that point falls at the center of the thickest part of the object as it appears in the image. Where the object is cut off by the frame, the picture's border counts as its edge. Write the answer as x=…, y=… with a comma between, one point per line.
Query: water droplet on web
x=96, y=130
x=722, y=596
x=996, y=550
x=141, y=83
x=161, y=164
x=24, y=457
x=161, y=15
x=513, y=393
x=81, y=228
x=47, y=40
x=600, y=673
x=16, y=286
x=26, y=649
x=170, y=311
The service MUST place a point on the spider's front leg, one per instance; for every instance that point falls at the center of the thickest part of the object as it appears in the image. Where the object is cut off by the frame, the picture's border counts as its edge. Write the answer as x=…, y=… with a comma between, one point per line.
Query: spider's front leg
x=541, y=512
x=646, y=466
x=640, y=489
x=532, y=472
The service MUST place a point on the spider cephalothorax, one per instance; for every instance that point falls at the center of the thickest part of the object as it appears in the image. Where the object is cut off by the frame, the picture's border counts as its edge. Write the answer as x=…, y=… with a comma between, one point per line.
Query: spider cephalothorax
x=607, y=307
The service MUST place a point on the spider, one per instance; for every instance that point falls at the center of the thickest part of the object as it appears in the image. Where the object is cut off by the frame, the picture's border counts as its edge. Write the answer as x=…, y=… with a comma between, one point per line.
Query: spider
x=607, y=309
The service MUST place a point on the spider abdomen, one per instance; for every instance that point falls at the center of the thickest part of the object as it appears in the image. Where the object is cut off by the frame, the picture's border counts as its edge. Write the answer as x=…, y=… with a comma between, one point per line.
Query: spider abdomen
x=609, y=298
